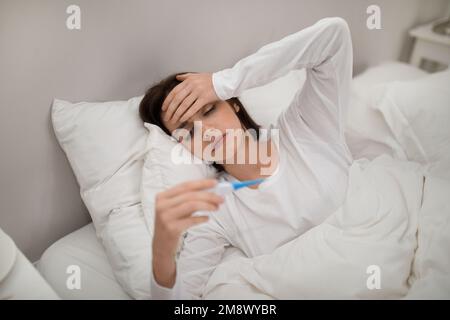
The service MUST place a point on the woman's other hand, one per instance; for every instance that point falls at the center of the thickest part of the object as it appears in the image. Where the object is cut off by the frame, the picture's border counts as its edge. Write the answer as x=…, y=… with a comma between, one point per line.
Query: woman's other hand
x=173, y=215
x=194, y=92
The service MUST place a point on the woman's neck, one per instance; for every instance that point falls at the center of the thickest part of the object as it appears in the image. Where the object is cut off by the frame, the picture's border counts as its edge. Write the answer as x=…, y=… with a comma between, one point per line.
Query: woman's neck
x=262, y=168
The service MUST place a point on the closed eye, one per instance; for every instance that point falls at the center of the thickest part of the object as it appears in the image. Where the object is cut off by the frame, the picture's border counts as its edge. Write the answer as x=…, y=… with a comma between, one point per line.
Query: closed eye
x=210, y=109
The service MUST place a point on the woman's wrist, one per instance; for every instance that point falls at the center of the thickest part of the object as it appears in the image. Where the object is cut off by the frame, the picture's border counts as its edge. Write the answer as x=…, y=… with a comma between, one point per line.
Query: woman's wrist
x=164, y=269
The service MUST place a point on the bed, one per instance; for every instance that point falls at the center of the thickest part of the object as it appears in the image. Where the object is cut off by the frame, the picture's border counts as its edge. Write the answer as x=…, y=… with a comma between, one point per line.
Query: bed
x=82, y=247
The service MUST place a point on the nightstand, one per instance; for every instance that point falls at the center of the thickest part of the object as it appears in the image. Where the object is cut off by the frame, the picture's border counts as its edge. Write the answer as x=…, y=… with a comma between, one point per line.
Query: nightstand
x=432, y=44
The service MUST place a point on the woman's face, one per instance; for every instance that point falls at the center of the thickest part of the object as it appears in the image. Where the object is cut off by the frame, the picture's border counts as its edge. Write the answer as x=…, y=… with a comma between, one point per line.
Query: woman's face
x=217, y=133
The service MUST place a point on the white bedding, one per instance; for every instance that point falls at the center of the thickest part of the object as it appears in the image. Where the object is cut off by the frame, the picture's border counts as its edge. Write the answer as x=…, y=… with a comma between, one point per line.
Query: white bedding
x=236, y=277
x=302, y=277
x=388, y=241
x=375, y=228
x=80, y=248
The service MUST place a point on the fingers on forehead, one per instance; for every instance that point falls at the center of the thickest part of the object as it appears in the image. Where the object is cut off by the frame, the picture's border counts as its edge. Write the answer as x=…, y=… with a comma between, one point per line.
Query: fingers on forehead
x=173, y=93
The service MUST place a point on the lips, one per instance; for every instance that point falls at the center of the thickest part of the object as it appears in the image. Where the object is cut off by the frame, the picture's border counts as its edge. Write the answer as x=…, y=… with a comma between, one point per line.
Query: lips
x=216, y=143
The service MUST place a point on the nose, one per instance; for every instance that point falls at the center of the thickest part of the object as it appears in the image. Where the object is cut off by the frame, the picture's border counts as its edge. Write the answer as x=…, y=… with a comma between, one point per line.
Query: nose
x=209, y=129
x=211, y=133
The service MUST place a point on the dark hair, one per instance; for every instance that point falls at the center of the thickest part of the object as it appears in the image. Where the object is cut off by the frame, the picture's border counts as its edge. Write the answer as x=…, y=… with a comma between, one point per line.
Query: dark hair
x=150, y=107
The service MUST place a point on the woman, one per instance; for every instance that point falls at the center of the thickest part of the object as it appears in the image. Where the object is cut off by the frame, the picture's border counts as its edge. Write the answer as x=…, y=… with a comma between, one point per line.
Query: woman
x=307, y=183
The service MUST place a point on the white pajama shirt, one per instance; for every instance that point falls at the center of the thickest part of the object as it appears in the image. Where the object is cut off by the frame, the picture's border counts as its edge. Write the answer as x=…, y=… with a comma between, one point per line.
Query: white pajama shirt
x=310, y=181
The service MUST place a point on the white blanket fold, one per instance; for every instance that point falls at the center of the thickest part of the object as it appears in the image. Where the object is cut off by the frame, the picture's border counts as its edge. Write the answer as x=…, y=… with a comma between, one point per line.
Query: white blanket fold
x=364, y=250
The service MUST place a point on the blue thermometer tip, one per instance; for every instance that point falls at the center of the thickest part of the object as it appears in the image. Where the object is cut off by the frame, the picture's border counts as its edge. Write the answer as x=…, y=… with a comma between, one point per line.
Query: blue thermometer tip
x=238, y=185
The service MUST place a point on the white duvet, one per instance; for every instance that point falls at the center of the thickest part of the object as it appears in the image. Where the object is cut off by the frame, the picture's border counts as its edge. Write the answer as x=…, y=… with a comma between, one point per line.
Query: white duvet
x=367, y=249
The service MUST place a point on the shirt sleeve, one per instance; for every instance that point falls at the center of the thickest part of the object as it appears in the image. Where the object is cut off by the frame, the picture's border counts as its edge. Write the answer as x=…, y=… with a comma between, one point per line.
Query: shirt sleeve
x=201, y=251
x=163, y=293
x=325, y=51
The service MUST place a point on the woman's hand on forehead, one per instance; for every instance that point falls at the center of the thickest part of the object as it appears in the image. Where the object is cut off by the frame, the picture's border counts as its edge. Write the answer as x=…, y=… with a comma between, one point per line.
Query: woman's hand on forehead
x=194, y=92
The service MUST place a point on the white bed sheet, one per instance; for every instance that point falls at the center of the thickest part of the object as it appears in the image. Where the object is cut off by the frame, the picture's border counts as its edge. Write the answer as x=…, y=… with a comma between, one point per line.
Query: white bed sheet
x=82, y=248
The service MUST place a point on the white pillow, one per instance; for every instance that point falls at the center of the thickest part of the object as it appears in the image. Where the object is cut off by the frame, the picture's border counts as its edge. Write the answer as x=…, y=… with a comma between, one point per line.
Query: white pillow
x=384, y=72
x=8, y=253
x=418, y=114
x=367, y=133
x=105, y=144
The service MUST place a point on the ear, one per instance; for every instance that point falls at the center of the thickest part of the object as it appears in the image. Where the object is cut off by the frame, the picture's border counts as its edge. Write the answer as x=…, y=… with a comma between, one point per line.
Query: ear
x=236, y=107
